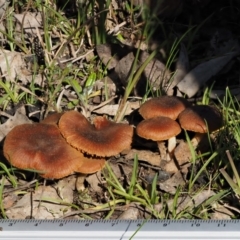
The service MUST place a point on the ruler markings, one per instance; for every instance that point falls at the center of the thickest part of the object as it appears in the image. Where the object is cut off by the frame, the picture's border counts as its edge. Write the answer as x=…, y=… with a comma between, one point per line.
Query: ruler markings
x=119, y=229
x=85, y=224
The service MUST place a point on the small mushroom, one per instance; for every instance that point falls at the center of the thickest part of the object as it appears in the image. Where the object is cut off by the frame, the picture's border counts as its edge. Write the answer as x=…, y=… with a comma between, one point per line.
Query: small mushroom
x=41, y=147
x=200, y=119
x=159, y=129
x=104, y=138
x=166, y=106
x=90, y=165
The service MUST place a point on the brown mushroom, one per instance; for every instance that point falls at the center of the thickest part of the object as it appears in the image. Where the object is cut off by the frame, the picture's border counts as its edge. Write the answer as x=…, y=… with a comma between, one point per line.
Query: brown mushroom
x=52, y=118
x=200, y=119
x=90, y=165
x=166, y=106
x=41, y=147
x=159, y=129
x=104, y=138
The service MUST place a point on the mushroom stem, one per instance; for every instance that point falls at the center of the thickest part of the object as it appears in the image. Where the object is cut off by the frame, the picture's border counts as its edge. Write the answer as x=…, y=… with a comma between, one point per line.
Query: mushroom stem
x=162, y=150
x=197, y=139
x=200, y=141
x=172, y=142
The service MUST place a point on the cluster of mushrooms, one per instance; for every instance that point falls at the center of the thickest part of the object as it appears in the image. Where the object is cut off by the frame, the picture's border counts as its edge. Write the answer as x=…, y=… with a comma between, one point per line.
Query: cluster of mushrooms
x=166, y=116
x=65, y=143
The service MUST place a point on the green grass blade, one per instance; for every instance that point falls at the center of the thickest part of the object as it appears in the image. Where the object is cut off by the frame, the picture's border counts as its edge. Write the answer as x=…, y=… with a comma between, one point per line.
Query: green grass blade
x=1, y=198
x=235, y=172
x=134, y=176
x=203, y=168
x=232, y=184
x=10, y=176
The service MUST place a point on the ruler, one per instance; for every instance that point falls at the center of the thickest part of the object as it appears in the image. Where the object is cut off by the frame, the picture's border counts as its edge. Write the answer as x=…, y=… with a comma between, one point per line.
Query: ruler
x=119, y=229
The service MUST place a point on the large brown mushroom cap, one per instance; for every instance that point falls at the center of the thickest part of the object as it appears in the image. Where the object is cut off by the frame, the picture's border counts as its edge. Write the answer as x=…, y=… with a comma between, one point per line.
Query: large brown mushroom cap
x=41, y=147
x=104, y=139
x=166, y=106
x=52, y=118
x=195, y=119
x=158, y=128
x=100, y=123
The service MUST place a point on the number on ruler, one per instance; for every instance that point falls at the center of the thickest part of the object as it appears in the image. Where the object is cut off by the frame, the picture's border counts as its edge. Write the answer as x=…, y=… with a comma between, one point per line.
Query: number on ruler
x=221, y=225
x=195, y=225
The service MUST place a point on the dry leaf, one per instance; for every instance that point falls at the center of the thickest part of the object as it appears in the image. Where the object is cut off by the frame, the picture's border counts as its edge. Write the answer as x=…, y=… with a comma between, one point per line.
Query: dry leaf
x=2, y=37
x=112, y=109
x=106, y=89
x=220, y=216
x=29, y=21
x=10, y=64
x=50, y=207
x=10, y=200
x=65, y=188
x=155, y=72
x=172, y=183
x=221, y=213
x=182, y=153
x=3, y=7
x=18, y=118
x=13, y=67
x=169, y=166
x=94, y=180
x=197, y=77
x=123, y=67
x=146, y=156
x=162, y=176
x=105, y=54
x=132, y=213
x=116, y=169
x=187, y=202
x=182, y=68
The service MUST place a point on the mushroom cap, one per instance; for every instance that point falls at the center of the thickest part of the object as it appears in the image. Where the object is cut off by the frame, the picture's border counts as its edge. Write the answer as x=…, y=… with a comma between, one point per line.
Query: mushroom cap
x=52, y=118
x=158, y=128
x=41, y=147
x=104, y=138
x=91, y=165
x=195, y=118
x=166, y=106
x=100, y=122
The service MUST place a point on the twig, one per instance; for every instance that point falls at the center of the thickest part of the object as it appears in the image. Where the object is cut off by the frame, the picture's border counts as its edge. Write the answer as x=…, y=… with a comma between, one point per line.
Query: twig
x=27, y=185
x=232, y=208
x=89, y=211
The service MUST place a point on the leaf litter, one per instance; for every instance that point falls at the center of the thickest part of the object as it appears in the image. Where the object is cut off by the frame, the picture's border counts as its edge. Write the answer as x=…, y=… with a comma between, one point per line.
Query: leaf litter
x=90, y=194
